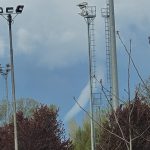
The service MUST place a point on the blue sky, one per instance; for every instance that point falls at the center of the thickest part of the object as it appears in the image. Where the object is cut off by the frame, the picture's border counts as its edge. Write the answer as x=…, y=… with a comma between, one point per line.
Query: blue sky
x=50, y=49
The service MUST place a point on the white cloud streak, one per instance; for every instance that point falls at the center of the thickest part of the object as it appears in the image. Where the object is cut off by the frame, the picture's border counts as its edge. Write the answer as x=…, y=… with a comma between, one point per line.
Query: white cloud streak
x=84, y=97
x=2, y=47
x=82, y=100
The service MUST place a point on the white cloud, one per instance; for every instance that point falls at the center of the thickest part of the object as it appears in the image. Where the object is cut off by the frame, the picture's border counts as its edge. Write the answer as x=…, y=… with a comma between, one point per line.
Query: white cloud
x=57, y=35
x=132, y=12
x=82, y=100
x=26, y=41
x=2, y=47
x=68, y=36
x=84, y=97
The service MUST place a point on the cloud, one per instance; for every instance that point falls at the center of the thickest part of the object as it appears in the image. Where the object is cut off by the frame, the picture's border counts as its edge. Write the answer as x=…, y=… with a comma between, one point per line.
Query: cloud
x=84, y=97
x=54, y=33
x=82, y=100
x=51, y=35
x=2, y=47
x=26, y=41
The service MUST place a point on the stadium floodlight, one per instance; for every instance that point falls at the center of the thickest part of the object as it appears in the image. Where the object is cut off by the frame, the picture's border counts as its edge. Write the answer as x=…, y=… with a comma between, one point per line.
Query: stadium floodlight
x=9, y=13
x=19, y=9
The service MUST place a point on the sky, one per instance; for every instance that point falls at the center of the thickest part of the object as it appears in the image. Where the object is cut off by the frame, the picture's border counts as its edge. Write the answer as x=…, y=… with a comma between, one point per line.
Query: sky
x=51, y=50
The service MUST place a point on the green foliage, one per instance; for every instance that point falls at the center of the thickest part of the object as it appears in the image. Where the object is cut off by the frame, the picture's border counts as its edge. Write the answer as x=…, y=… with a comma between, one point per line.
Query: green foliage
x=3, y=111
x=26, y=105
x=80, y=135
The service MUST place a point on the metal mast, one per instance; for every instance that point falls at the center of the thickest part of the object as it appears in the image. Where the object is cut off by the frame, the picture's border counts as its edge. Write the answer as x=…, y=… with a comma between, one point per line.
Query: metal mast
x=9, y=13
x=106, y=15
x=111, y=55
x=89, y=14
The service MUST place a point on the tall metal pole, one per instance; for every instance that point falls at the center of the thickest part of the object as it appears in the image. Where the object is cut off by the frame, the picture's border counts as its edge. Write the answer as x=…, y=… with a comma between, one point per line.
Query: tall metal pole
x=6, y=86
x=114, y=72
x=13, y=82
x=91, y=89
x=89, y=14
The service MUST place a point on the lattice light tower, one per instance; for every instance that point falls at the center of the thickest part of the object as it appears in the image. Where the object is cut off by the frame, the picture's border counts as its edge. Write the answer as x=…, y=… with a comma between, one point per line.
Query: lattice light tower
x=89, y=14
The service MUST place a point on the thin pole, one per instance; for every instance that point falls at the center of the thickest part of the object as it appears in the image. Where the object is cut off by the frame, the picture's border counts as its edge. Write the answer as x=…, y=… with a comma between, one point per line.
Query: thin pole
x=6, y=85
x=114, y=72
x=13, y=82
x=91, y=89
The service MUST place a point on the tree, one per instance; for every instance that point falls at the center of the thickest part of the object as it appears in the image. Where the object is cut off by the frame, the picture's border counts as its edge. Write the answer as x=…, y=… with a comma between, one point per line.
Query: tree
x=26, y=105
x=43, y=131
x=143, y=90
x=80, y=135
x=138, y=129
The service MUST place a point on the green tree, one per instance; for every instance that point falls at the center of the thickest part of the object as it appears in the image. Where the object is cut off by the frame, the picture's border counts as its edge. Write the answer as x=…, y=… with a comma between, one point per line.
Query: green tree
x=80, y=135
x=26, y=105
x=129, y=128
x=42, y=131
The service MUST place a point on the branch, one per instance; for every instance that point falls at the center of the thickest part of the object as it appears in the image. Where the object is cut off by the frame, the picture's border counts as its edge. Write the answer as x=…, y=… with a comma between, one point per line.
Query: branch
x=136, y=69
x=141, y=133
x=112, y=94
x=100, y=124
x=115, y=117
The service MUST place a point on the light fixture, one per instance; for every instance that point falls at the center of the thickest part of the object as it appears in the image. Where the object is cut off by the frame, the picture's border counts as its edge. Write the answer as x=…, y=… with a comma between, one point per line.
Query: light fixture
x=19, y=9
x=82, y=5
x=1, y=10
x=9, y=10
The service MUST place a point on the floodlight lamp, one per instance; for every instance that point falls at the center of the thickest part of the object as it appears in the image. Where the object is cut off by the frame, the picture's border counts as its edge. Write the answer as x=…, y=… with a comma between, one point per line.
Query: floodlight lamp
x=82, y=5
x=9, y=10
x=1, y=10
x=19, y=9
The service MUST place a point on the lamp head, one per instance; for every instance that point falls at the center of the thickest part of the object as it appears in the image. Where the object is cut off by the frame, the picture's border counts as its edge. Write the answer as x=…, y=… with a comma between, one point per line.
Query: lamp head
x=9, y=10
x=82, y=5
x=19, y=9
x=1, y=10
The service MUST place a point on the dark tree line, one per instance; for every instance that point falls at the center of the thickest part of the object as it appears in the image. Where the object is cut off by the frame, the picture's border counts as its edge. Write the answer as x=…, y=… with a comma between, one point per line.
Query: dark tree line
x=42, y=131
x=136, y=131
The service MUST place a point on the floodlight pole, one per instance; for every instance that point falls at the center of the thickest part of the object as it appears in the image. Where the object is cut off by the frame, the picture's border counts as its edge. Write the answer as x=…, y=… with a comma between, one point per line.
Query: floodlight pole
x=91, y=90
x=89, y=14
x=13, y=81
x=9, y=12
